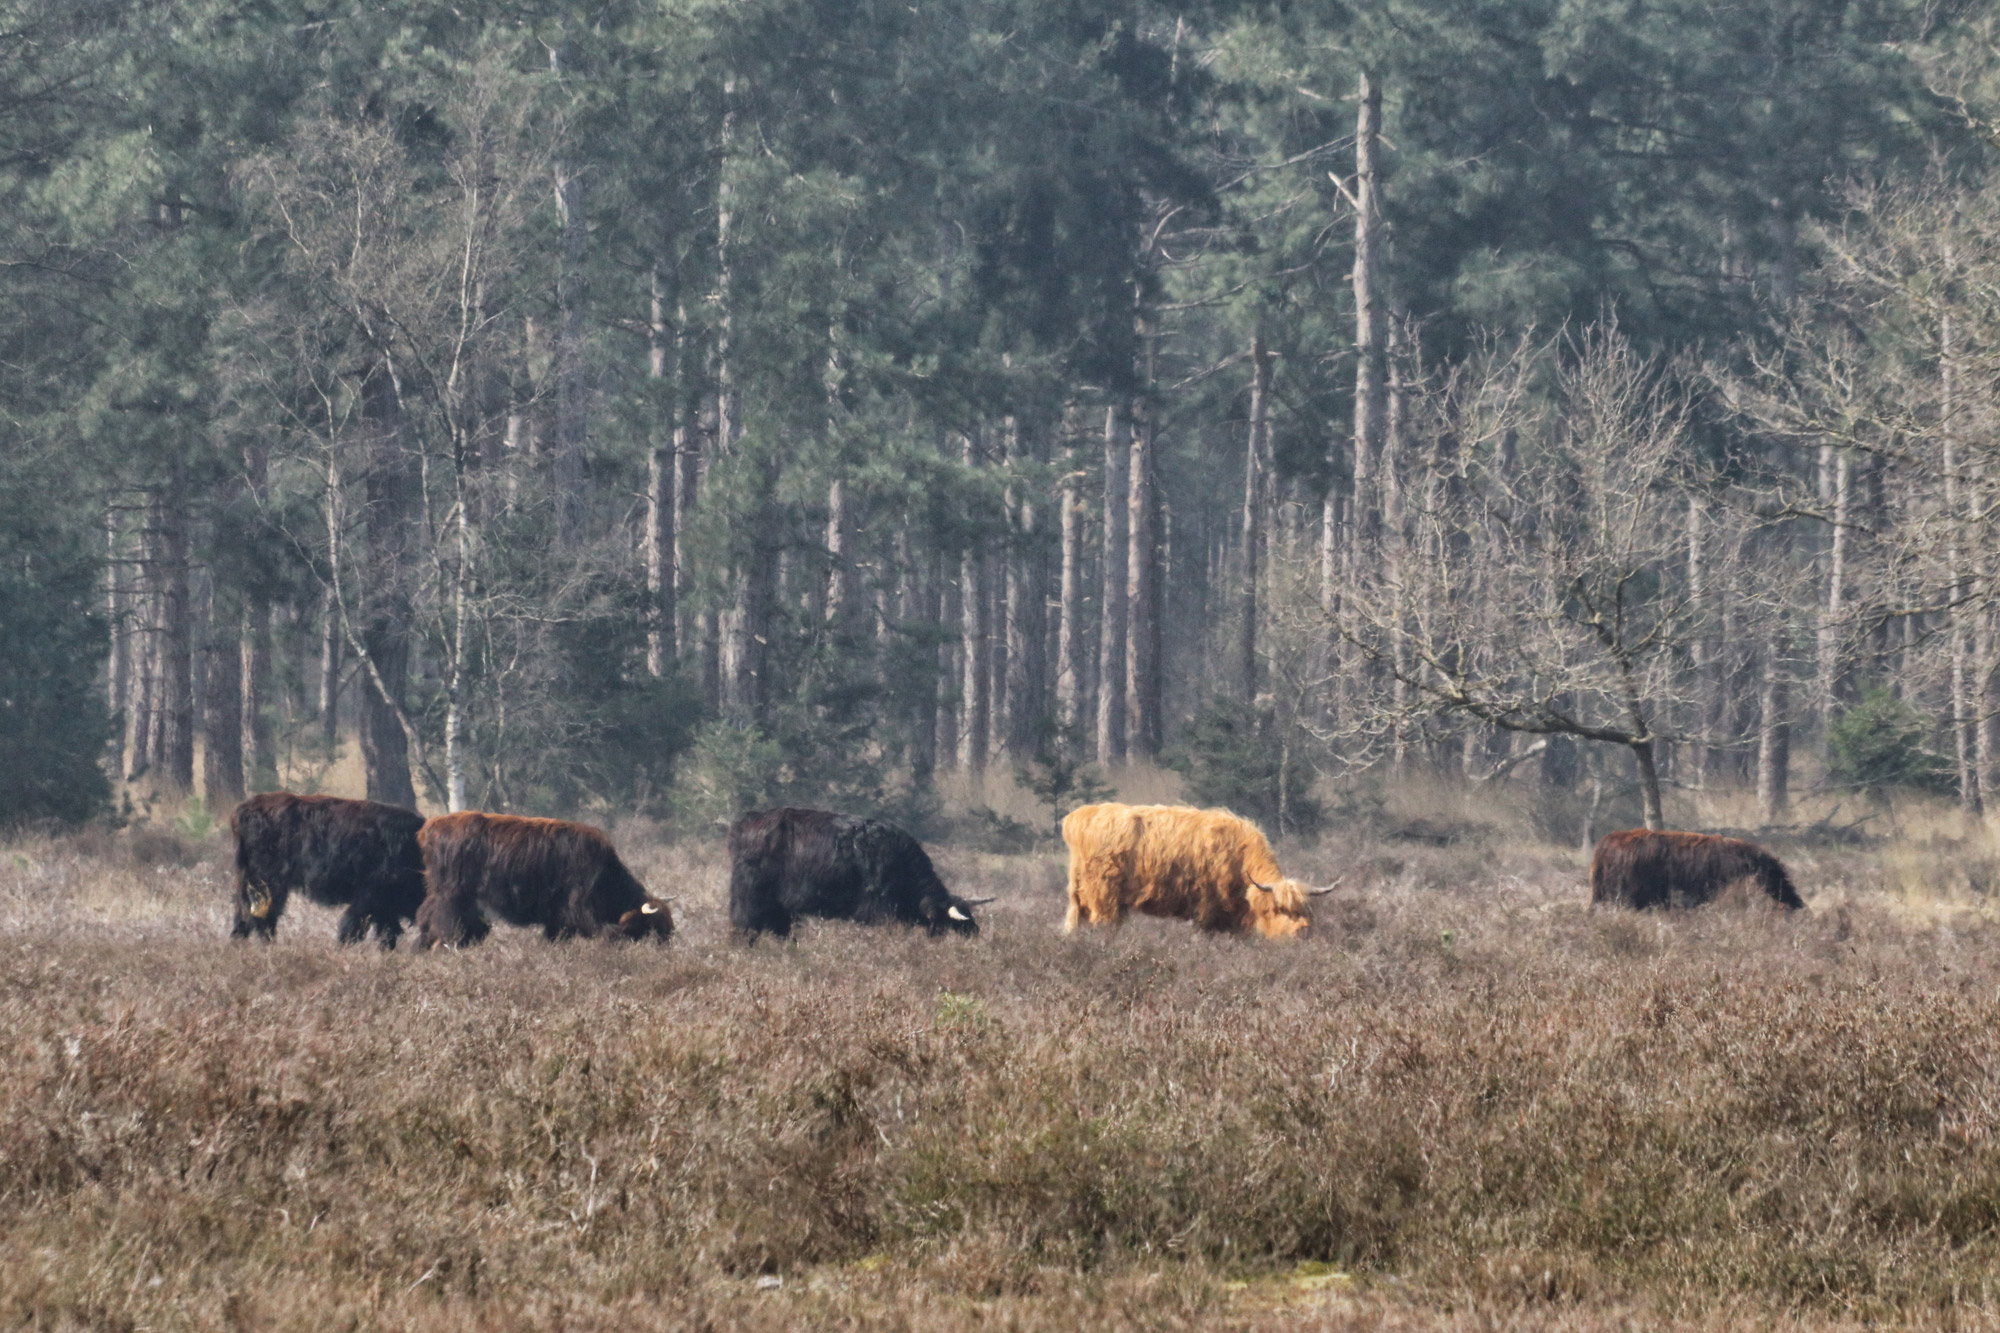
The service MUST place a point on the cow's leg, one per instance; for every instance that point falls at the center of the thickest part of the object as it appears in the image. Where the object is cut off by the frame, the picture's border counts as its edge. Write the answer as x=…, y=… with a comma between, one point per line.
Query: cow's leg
x=443, y=921
x=257, y=910
x=750, y=923
x=353, y=922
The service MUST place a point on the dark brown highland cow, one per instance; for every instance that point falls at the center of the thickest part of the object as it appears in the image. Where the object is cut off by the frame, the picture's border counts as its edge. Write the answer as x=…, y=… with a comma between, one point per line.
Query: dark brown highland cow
x=550, y=873
x=1643, y=868
x=360, y=854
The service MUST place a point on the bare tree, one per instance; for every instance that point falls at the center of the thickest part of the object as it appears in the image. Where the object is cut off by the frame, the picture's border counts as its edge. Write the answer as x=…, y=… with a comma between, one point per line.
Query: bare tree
x=1543, y=589
x=381, y=388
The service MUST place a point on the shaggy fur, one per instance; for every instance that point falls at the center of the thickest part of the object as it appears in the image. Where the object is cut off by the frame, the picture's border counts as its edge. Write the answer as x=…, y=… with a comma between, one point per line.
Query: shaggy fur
x=1643, y=868
x=360, y=854
x=550, y=873
x=789, y=863
x=1206, y=866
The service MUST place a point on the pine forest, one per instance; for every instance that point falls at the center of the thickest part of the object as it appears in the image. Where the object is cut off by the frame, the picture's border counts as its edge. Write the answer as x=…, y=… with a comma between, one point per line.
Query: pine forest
x=683, y=406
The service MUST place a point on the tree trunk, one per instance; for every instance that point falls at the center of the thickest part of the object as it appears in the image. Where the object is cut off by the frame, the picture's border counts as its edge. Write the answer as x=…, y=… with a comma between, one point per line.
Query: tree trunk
x=753, y=620
x=951, y=644
x=1836, y=470
x=1111, y=648
x=1142, y=583
x=1785, y=254
x=118, y=668
x=1069, y=612
x=1988, y=695
x=1964, y=711
x=1026, y=603
x=260, y=758
x=222, y=712
x=174, y=760
x=974, y=703
x=572, y=299
x=1370, y=327
x=662, y=475
x=725, y=214
x=1701, y=646
x=687, y=487
x=1649, y=785
x=331, y=646
x=1330, y=532
x=1774, y=731
x=142, y=616
x=916, y=613
x=257, y=758
x=1253, y=516
x=385, y=636
x=843, y=588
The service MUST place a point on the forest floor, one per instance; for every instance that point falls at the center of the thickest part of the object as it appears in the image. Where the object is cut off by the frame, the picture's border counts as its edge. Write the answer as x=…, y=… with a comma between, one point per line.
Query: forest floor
x=1467, y=1101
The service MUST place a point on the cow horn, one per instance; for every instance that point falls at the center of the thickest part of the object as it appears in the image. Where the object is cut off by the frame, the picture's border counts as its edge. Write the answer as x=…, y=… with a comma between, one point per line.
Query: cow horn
x=1321, y=893
x=1268, y=888
x=977, y=902
x=955, y=914
x=650, y=908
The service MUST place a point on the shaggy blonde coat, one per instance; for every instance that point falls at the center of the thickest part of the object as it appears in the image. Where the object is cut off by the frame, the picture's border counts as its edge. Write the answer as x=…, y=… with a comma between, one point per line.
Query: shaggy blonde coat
x=1206, y=866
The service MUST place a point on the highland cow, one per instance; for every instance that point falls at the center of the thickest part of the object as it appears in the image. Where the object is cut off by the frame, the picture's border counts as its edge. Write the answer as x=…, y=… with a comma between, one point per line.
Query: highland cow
x=1644, y=868
x=1210, y=867
x=785, y=864
x=550, y=873
x=359, y=854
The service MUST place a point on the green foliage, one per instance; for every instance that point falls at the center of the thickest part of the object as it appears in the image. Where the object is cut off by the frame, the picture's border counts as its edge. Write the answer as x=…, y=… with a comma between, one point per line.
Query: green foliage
x=640, y=728
x=1059, y=778
x=1880, y=744
x=195, y=821
x=1246, y=759
x=732, y=767
x=53, y=721
x=729, y=769
x=990, y=831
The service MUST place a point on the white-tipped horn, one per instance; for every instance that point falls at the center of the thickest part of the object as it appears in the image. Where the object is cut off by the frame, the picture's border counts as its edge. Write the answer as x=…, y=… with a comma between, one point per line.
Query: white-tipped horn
x=955, y=914
x=649, y=908
x=977, y=902
x=1321, y=893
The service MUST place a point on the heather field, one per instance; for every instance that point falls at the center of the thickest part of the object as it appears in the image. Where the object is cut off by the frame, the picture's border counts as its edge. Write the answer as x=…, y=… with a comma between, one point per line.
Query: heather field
x=1467, y=1102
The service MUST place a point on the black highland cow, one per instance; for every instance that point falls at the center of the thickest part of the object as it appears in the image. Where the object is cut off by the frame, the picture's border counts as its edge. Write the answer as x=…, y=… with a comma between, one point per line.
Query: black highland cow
x=550, y=873
x=359, y=854
x=1643, y=868
x=788, y=863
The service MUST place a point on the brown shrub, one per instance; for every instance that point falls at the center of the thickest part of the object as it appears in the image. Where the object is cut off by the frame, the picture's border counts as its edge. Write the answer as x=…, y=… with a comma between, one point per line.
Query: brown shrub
x=1490, y=1105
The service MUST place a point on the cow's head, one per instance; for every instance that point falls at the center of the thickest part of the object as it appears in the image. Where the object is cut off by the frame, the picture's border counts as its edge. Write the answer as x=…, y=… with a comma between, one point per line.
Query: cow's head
x=650, y=917
x=948, y=913
x=1282, y=910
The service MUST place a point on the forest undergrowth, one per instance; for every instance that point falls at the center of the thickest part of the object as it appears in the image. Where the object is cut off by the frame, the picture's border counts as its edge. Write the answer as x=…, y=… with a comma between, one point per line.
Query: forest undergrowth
x=1467, y=1101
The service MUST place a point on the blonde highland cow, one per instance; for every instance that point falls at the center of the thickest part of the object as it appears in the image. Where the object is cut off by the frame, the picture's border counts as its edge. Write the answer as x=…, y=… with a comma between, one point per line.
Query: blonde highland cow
x=1206, y=866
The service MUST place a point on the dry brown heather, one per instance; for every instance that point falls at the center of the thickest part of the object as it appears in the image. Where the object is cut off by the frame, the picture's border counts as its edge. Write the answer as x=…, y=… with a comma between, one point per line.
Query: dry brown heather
x=1469, y=1102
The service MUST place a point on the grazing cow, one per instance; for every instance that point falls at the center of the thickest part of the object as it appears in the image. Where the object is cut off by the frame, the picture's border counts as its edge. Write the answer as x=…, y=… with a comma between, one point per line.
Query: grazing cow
x=1206, y=866
x=785, y=864
x=1643, y=868
x=550, y=873
x=359, y=853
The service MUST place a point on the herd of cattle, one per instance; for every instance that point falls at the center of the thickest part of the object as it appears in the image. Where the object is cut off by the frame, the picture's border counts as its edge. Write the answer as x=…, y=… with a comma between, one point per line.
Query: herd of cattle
x=388, y=866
